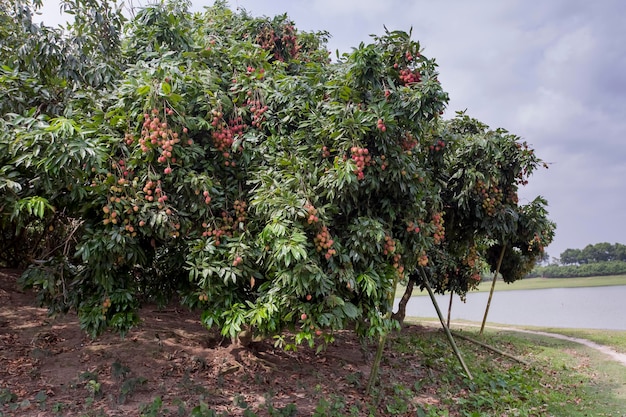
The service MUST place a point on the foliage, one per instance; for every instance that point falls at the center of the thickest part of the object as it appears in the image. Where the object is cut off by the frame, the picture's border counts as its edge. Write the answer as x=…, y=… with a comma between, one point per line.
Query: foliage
x=223, y=160
x=49, y=77
x=594, y=269
x=482, y=213
x=599, y=252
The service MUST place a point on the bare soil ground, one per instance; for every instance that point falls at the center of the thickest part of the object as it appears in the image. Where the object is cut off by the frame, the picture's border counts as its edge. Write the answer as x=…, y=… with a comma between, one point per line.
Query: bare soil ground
x=49, y=366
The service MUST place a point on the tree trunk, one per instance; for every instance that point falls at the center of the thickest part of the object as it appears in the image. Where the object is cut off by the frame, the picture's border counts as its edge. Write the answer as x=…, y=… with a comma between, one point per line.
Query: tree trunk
x=401, y=313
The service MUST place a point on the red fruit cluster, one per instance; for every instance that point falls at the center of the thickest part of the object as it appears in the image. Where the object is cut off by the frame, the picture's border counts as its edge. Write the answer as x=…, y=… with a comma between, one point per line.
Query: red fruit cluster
x=437, y=146
x=106, y=304
x=397, y=265
x=125, y=171
x=439, y=233
x=229, y=224
x=224, y=134
x=471, y=261
x=237, y=261
x=383, y=162
x=408, y=141
x=389, y=246
x=471, y=258
x=129, y=139
x=311, y=214
x=290, y=41
x=153, y=189
x=323, y=242
x=217, y=233
x=282, y=46
x=325, y=152
x=110, y=214
x=412, y=227
x=492, y=197
x=254, y=73
x=535, y=243
x=237, y=126
x=207, y=197
x=258, y=109
x=511, y=197
x=362, y=159
x=380, y=125
x=240, y=213
x=266, y=38
x=116, y=209
x=423, y=259
x=217, y=117
x=156, y=134
x=408, y=76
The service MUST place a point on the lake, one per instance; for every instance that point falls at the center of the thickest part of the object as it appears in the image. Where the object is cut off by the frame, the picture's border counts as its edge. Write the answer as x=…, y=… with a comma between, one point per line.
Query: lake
x=585, y=308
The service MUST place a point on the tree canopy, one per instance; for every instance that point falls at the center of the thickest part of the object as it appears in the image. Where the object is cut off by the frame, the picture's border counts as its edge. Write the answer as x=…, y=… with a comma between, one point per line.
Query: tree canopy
x=222, y=160
x=592, y=253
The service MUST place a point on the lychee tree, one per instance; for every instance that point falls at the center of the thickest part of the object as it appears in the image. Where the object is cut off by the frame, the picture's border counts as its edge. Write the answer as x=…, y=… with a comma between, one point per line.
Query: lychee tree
x=482, y=215
x=232, y=166
x=47, y=75
x=226, y=163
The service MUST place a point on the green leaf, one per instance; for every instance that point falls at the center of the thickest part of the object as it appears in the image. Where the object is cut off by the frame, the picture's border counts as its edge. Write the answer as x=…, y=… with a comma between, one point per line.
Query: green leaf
x=143, y=90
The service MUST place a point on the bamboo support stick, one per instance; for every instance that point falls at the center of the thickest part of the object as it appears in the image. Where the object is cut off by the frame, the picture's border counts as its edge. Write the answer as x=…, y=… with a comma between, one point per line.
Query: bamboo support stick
x=493, y=286
x=493, y=349
x=445, y=328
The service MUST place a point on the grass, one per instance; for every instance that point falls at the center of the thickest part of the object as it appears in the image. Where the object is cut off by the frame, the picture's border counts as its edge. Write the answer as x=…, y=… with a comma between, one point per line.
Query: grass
x=613, y=338
x=581, y=380
x=578, y=380
x=539, y=284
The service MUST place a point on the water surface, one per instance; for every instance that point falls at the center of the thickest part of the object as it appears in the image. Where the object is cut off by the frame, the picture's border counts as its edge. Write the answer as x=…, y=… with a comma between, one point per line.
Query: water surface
x=585, y=308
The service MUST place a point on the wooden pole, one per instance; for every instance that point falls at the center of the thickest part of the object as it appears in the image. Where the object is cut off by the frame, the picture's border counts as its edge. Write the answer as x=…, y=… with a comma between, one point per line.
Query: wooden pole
x=443, y=324
x=450, y=308
x=491, y=348
x=382, y=340
x=493, y=286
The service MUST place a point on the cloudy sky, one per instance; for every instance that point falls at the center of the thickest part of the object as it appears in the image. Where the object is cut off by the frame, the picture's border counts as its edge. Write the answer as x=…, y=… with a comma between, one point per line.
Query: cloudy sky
x=552, y=72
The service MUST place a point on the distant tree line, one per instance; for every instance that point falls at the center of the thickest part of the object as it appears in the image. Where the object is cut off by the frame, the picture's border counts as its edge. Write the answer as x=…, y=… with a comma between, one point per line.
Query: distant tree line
x=600, y=252
x=575, y=271
x=600, y=259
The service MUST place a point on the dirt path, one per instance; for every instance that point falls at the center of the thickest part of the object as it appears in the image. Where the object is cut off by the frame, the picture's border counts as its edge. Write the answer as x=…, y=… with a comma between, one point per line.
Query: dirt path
x=613, y=354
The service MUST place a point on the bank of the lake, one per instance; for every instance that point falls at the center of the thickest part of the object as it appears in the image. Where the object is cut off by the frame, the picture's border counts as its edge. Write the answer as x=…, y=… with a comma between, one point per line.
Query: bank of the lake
x=541, y=283
x=589, y=307
x=544, y=283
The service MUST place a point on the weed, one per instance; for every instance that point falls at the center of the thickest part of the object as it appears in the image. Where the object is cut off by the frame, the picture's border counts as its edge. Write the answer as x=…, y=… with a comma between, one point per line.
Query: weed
x=333, y=407
x=129, y=386
x=289, y=410
x=119, y=371
x=355, y=378
x=153, y=409
x=6, y=396
x=41, y=398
